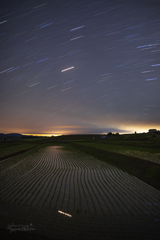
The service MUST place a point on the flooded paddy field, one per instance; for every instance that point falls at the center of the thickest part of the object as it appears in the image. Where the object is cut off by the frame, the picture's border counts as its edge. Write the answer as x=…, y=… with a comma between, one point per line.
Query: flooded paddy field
x=103, y=201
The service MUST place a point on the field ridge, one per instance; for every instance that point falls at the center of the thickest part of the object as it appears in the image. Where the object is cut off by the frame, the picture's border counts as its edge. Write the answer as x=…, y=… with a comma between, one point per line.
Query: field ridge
x=147, y=171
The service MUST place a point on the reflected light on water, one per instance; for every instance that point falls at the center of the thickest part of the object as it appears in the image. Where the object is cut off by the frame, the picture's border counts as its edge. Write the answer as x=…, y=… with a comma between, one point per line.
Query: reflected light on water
x=65, y=213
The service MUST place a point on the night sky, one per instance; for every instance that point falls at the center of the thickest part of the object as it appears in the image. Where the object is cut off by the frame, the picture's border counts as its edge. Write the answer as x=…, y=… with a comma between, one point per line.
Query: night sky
x=79, y=66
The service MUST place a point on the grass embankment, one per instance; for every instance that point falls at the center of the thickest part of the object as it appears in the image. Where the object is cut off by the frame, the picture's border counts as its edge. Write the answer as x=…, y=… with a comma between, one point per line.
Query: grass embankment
x=116, y=147
x=144, y=170
x=12, y=149
x=150, y=154
x=142, y=140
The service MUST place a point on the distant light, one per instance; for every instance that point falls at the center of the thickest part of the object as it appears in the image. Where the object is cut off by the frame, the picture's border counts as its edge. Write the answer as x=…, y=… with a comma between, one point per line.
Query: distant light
x=67, y=69
x=65, y=213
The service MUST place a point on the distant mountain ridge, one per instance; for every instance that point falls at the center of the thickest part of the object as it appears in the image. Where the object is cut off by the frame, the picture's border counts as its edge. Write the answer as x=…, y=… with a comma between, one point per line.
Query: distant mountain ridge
x=3, y=135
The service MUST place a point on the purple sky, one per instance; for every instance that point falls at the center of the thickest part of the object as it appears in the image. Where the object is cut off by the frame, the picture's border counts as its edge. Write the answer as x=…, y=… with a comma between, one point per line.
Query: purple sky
x=71, y=66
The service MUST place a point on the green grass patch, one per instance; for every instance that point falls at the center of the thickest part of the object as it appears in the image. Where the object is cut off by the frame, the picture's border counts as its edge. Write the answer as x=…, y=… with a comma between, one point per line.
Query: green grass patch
x=115, y=147
x=143, y=153
x=34, y=139
x=140, y=168
x=6, y=151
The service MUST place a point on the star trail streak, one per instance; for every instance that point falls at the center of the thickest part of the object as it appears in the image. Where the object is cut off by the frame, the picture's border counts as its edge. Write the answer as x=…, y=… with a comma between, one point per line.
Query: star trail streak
x=64, y=70
x=151, y=79
x=76, y=28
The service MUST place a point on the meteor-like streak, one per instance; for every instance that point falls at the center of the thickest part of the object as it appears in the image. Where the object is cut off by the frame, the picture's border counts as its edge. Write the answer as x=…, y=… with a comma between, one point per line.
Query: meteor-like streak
x=65, y=213
x=67, y=69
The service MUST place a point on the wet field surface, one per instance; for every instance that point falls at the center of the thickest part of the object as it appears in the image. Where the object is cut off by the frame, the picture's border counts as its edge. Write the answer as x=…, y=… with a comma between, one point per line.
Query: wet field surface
x=104, y=202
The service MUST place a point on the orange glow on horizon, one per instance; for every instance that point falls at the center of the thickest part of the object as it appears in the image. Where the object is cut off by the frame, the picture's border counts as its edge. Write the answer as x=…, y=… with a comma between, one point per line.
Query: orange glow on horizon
x=98, y=128
x=42, y=134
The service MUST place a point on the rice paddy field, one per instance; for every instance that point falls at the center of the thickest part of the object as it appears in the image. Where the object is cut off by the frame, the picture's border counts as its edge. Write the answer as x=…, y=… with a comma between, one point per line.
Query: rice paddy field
x=8, y=150
x=149, y=154
x=102, y=202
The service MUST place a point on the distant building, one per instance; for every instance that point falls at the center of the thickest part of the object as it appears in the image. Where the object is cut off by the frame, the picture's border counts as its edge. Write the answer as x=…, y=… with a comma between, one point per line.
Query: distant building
x=103, y=136
x=152, y=130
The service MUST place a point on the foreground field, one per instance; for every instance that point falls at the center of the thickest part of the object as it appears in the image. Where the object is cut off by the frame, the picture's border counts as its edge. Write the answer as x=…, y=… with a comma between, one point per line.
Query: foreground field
x=149, y=154
x=145, y=170
x=55, y=179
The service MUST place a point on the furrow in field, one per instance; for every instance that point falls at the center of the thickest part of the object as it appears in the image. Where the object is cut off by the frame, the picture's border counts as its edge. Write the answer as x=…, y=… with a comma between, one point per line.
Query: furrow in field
x=43, y=183
x=85, y=194
x=25, y=190
x=88, y=192
x=111, y=195
x=70, y=201
x=17, y=172
x=150, y=192
x=140, y=199
x=97, y=194
x=46, y=194
x=74, y=182
x=37, y=179
x=105, y=202
x=141, y=190
x=77, y=188
x=66, y=189
x=80, y=185
x=130, y=199
x=69, y=197
x=61, y=194
x=112, y=200
x=96, y=186
x=55, y=200
x=108, y=203
x=17, y=185
x=43, y=188
x=122, y=198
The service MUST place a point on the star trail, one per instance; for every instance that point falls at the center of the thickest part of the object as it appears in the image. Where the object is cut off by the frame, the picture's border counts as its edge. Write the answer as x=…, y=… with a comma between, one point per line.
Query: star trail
x=75, y=67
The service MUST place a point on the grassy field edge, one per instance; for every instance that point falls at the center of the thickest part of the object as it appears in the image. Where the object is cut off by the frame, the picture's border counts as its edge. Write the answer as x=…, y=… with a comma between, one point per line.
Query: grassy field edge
x=146, y=171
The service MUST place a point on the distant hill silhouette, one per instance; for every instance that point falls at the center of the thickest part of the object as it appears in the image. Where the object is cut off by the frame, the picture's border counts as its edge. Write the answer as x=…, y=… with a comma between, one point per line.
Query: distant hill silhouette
x=2, y=135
